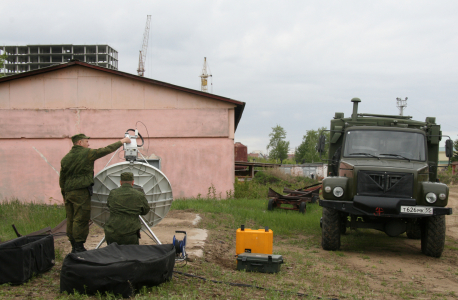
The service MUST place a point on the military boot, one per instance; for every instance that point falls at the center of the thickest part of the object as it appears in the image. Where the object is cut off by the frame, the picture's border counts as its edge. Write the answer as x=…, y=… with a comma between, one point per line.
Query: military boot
x=79, y=247
x=73, y=246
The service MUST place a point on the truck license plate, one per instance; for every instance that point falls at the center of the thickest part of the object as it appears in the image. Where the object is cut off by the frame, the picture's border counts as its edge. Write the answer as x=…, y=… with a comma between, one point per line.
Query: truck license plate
x=424, y=210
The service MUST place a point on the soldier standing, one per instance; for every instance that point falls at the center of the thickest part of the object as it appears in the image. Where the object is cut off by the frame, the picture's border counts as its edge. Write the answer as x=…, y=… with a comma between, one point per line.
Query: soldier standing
x=125, y=204
x=76, y=180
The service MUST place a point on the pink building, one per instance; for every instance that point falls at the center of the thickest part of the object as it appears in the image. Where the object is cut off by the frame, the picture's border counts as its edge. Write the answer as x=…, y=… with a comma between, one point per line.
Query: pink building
x=192, y=132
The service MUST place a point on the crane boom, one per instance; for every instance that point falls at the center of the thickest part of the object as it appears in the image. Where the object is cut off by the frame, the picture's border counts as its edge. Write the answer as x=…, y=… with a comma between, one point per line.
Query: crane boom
x=142, y=56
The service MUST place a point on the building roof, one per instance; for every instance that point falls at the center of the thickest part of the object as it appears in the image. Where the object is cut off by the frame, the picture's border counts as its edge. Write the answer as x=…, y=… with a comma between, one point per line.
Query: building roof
x=239, y=105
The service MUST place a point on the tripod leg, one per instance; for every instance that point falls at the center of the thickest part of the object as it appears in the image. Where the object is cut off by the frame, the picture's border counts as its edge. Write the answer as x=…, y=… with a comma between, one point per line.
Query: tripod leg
x=155, y=239
x=100, y=243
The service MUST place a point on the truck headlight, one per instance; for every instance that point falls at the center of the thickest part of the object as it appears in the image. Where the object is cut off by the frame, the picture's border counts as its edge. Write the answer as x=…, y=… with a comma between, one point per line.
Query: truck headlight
x=442, y=196
x=338, y=191
x=327, y=189
x=431, y=197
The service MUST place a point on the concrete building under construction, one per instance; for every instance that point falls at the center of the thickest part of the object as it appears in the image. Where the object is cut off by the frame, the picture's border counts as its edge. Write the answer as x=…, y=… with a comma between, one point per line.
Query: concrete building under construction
x=32, y=57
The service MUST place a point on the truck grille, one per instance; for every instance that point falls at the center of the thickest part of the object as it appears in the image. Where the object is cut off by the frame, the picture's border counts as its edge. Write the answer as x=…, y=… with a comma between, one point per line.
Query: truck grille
x=385, y=184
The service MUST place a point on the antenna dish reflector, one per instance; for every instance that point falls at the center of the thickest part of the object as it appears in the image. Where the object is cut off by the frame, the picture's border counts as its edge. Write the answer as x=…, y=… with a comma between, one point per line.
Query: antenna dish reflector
x=148, y=179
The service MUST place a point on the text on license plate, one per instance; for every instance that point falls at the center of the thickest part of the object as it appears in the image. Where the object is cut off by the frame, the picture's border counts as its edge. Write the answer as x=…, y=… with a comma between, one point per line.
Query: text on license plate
x=417, y=210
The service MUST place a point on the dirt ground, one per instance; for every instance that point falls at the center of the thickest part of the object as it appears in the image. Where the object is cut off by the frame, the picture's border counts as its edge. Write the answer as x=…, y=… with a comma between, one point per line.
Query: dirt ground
x=177, y=220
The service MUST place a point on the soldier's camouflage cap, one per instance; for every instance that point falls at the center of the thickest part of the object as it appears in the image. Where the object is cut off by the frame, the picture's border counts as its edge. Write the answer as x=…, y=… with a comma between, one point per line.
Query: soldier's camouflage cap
x=127, y=176
x=78, y=137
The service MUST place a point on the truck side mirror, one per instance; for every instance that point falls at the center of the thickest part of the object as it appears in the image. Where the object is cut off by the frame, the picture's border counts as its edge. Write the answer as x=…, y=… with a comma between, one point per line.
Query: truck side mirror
x=321, y=144
x=449, y=148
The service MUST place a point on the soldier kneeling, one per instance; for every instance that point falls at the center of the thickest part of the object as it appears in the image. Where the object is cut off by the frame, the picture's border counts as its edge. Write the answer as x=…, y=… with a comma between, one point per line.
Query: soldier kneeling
x=125, y=204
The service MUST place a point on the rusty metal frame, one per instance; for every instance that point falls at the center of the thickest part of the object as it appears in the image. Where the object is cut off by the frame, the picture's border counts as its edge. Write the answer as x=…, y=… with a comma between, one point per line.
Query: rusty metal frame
x=308, y=194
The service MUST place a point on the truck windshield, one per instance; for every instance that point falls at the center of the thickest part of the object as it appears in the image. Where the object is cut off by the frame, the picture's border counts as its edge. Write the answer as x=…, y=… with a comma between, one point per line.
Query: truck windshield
x=385, y=144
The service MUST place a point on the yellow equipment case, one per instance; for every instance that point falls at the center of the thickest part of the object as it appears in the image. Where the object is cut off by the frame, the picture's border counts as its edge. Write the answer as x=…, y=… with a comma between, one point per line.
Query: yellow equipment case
x=253, y=240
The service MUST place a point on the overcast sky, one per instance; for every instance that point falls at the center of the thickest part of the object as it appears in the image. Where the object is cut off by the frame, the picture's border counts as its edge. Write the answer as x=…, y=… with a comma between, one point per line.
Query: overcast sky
x=294, y=63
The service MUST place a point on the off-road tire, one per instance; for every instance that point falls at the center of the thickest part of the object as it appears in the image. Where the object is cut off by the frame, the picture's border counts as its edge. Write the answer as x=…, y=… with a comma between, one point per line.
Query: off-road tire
x=330, y=231
x=302, y=208
x=271, y=205
x=433, y=236
x=414, y=232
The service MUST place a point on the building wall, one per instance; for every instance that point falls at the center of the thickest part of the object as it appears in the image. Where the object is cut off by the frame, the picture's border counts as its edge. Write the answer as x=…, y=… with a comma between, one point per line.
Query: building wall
x=240, y=152
x=31, y=57
x=192, y=135
x=317, y=169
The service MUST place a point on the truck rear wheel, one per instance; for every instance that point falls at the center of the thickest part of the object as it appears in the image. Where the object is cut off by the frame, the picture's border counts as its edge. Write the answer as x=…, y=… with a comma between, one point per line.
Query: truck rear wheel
x=330, y=231
x=433, y=236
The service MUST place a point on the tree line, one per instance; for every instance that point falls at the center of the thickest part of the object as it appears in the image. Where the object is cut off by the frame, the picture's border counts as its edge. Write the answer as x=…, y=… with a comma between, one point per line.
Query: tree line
x=278, y=147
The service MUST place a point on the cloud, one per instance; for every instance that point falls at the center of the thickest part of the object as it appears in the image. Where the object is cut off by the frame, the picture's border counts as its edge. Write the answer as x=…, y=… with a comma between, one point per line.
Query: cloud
x=295, y=63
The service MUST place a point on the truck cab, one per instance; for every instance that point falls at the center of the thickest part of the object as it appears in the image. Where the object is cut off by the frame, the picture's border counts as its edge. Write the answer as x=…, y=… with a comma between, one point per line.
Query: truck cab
x=383, y=176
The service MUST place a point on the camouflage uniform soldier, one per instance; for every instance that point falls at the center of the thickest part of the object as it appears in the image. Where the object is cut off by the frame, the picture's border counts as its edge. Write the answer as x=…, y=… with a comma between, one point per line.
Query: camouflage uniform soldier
x=76, y=180
x=125, y=204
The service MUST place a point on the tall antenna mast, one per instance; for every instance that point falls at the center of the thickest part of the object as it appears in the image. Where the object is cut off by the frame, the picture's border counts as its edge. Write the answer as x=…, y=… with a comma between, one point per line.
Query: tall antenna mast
x=401, y=104
x=204, y=77
x=142, y=56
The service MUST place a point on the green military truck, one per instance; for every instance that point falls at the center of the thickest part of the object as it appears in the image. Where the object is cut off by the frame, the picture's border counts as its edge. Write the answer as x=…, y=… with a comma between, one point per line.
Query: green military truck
x=383, y=175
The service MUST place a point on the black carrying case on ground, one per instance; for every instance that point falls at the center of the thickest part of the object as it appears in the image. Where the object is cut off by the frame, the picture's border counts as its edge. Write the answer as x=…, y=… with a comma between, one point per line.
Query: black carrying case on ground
x=258, y=262
x=25, y=256
x=118, y=269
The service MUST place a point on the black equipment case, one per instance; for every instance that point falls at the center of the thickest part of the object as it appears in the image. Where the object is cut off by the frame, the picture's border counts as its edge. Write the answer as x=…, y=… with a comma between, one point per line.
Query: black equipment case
x=118, y=269
x=25, y=256
x=257, y=262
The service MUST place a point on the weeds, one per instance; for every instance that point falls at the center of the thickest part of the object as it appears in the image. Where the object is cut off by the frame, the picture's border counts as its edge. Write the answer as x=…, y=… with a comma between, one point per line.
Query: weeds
x=447, y=176
x=211, y=192
x=27, y=217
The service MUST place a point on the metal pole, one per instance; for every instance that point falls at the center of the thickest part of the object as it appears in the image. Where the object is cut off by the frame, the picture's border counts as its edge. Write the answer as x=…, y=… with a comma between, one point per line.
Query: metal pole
x=100, y=243
x=150, y=231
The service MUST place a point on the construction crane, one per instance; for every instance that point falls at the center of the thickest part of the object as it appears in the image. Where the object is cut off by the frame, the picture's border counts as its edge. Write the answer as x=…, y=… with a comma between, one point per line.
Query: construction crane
x=142, y=57
x=204, y=77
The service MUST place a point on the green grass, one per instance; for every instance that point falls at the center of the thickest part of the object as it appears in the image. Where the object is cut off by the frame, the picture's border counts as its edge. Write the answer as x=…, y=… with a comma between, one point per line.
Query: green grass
x=307, y=268
x=27, y=217
x=232, y=213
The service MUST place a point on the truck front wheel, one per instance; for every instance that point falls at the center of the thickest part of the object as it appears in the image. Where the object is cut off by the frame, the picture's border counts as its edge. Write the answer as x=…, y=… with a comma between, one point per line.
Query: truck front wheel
x=433, y=236
x=330, y=230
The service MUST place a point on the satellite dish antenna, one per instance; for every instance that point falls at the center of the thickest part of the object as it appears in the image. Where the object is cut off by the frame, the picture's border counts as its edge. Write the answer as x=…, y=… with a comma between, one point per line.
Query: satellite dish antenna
x=148, y=179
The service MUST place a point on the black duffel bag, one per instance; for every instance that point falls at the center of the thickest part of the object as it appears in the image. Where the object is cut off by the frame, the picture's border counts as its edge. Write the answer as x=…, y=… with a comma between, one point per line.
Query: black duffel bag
x=117, y=269
x=24, y=257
